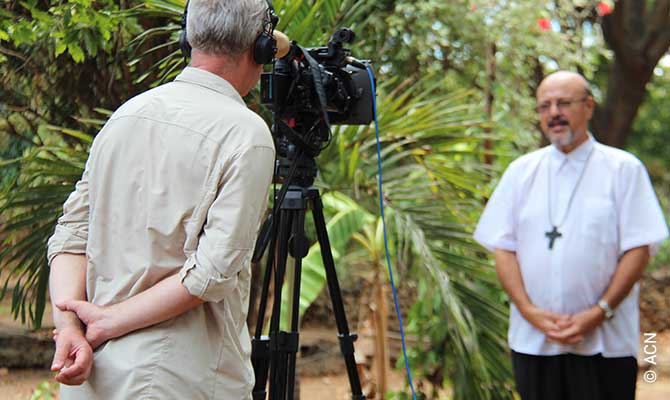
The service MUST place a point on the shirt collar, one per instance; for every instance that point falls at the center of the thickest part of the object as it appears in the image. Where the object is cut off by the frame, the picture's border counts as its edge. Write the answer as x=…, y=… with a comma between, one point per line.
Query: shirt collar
x=206, y=79
x=580, y=154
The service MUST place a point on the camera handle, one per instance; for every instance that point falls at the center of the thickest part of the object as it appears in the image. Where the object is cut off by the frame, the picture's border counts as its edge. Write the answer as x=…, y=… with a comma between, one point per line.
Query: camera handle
x=276, y=354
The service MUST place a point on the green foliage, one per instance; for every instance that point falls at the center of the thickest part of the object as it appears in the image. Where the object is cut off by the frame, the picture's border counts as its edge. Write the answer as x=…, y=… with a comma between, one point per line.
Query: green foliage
x=79, y=28
x=30, y=206
x=430, y=154
x=45, y=391
x=649, y=139
x=651, y=143
x=496, y=48
x=662, y=257
x=348, y=218
x=59, y=61
x=432, y=133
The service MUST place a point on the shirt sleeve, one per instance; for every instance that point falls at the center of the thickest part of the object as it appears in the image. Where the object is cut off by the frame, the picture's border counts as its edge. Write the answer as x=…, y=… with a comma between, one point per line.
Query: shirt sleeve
x=227, y=239
x=71, y=233
x=641, y=219
x=497, y=228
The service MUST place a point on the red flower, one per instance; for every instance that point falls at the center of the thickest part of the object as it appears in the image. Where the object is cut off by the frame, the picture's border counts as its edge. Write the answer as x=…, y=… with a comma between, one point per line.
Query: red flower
x=544, y=24
x=604, y=8
x=473, y=7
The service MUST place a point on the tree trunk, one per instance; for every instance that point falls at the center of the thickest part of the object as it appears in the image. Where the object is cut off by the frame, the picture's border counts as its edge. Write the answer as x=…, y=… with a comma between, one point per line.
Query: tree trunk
x=638, y=32
x=626, y=91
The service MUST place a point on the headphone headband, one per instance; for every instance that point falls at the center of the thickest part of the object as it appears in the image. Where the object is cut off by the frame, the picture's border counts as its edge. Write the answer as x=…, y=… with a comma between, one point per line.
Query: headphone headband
x=264, y=47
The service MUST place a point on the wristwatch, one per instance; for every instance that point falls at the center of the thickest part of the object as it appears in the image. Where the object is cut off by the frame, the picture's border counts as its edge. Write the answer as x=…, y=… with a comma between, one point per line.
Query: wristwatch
x=609, y=313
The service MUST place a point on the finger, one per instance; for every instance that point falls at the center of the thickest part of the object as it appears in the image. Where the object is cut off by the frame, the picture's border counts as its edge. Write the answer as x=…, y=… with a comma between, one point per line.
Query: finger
x=75, y=380
x=80, y=368
x=563, y=334
x=564, y=323
x=69, y=305
x=552, y=315
x=574, y=339
x=555, y=315
x=60, y=355
x=565, y=318
x=551, y=326
x=78, y=307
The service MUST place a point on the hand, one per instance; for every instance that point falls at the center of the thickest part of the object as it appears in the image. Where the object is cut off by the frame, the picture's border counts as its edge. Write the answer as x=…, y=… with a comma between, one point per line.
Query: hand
x=546, y=321
x=99, y=321
x=583, y=323
x=73, y=357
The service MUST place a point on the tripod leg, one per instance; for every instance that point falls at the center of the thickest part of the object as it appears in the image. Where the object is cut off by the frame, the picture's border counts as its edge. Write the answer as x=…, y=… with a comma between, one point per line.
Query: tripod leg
x=277, y=338
x=284, y=345
x=346, y=338
x=299, y=247
x=260, y=345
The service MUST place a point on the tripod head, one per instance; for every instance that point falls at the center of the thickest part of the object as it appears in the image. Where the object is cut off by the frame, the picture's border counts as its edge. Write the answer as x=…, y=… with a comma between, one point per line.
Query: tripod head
x=296, y=168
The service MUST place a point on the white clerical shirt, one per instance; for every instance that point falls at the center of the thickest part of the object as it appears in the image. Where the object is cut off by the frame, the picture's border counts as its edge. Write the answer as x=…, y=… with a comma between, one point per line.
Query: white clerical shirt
x=614, y=209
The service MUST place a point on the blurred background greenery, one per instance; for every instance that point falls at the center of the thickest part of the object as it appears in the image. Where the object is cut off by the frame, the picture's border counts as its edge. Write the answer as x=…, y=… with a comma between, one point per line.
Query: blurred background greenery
x=456, y=105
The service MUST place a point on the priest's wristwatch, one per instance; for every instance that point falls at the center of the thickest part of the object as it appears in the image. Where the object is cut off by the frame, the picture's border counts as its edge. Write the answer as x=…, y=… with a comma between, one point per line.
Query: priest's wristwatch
x=604, y=305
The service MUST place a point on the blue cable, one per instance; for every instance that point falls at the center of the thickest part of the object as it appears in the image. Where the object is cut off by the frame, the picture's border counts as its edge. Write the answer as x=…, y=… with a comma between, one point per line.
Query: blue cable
x=386, y=242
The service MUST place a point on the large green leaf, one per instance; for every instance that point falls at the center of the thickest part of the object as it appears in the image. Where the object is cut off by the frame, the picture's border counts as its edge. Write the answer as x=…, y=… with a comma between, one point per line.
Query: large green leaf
x=348, y=219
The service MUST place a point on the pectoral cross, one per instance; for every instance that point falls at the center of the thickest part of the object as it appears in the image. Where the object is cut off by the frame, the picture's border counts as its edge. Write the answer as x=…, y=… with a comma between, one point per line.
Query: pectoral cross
x=553, y=235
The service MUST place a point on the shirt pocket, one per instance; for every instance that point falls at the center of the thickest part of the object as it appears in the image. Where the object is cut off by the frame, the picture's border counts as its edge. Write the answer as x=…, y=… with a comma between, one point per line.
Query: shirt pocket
x=599, y=220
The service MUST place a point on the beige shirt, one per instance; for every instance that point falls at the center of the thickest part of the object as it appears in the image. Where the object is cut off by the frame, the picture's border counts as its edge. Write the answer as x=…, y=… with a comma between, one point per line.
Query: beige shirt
x=176, y=183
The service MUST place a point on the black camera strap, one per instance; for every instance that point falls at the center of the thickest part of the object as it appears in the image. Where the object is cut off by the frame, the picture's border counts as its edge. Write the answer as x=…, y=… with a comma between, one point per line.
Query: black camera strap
x=319, y=84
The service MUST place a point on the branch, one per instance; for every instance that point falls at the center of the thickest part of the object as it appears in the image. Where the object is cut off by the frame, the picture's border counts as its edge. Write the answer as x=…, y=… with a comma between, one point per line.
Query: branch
x=634, y=23
x=613, y=32
x=659, y=32
x=13, y=53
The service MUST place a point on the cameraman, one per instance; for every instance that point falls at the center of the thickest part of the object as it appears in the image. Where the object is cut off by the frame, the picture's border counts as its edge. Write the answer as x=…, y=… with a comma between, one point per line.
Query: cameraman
x=150, y=262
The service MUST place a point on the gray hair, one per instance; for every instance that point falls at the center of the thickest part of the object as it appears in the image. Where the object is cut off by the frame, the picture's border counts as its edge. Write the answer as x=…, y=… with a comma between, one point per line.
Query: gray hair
x=224, y=27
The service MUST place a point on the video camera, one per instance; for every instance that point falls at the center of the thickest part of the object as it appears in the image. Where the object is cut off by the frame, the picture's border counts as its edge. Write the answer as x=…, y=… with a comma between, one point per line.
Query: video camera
x=310, y=89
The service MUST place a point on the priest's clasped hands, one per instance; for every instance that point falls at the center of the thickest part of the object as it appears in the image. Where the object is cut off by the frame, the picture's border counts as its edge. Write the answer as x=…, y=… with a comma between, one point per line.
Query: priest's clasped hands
x=564, y=328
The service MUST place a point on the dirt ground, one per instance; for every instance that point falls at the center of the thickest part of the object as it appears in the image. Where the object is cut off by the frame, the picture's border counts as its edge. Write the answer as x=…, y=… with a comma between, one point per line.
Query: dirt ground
x=324, y=371
x=21, y=384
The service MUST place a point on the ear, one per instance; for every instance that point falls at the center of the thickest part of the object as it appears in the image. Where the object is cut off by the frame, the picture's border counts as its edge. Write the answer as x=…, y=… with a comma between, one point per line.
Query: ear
x=248, y=57
x=590, y=105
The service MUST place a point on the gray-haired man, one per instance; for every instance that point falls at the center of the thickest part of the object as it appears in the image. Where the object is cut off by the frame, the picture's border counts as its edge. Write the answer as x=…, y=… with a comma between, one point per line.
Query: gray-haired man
x=152, y=252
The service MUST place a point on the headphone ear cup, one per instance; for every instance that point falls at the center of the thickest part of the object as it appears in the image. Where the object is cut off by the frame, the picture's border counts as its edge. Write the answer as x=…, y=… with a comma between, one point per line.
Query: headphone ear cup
x=265, y=48
x=184, y=44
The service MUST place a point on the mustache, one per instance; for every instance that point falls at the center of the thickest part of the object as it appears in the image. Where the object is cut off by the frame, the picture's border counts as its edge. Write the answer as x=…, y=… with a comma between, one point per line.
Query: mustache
x=558, y=121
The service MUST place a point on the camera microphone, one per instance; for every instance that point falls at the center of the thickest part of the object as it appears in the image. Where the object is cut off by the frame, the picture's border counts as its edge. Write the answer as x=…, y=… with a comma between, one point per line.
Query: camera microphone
x=356, y=63
x=283, y=43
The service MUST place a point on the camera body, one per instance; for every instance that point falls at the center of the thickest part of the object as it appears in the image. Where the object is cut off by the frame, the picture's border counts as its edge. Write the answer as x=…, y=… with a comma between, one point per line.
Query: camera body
x=309, y=89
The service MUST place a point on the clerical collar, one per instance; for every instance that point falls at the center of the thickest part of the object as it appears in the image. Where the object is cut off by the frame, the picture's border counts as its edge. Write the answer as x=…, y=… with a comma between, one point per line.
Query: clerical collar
x=580, y=154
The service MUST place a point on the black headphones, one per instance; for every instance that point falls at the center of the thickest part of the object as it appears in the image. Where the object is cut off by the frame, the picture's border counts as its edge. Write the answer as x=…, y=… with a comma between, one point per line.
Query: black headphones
x=265, y=45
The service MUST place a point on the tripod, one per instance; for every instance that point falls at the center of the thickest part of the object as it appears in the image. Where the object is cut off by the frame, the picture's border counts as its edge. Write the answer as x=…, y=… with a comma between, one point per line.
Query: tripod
x=285, y=232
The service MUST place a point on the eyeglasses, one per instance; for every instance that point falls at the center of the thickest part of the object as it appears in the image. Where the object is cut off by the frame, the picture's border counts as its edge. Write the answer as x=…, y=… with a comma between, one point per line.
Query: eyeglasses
x=562, y=105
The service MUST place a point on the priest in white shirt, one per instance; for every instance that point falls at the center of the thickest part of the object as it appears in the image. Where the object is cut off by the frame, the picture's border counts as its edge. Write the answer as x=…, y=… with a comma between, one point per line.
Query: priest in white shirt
x=572, y=227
